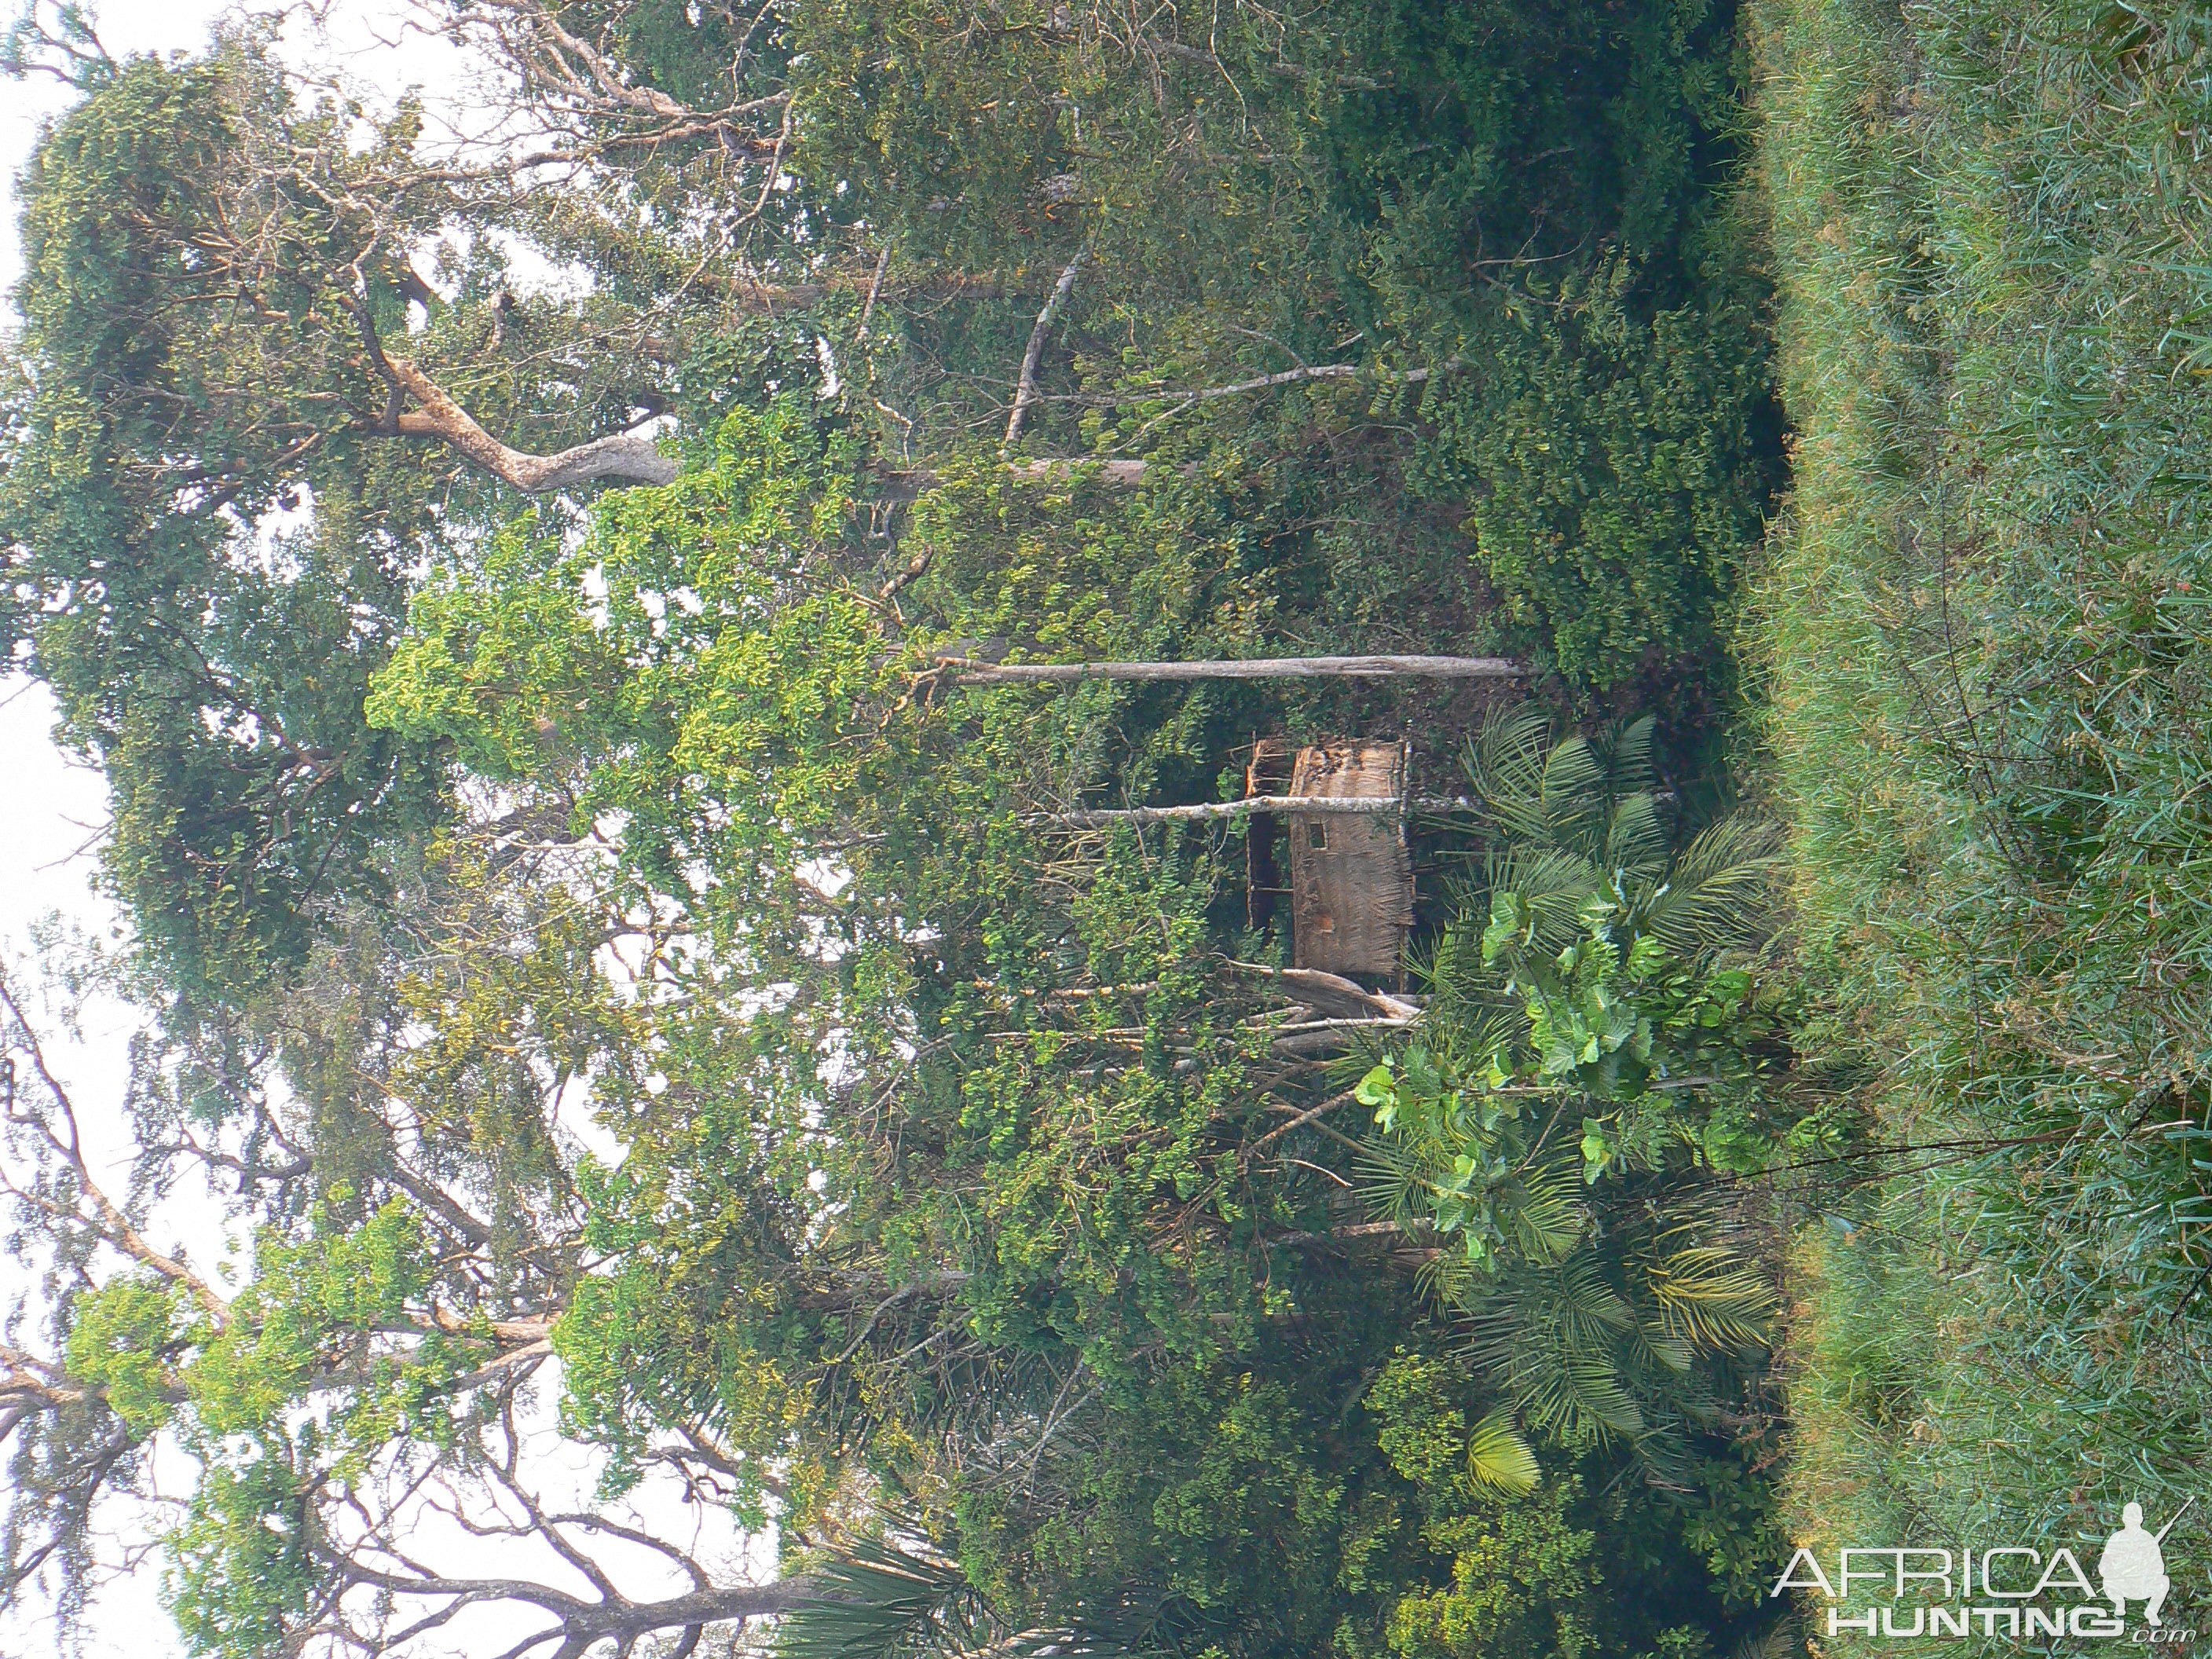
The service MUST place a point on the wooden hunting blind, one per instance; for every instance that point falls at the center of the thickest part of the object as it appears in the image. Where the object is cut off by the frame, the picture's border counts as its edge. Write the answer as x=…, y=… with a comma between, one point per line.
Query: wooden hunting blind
x=1351, y=883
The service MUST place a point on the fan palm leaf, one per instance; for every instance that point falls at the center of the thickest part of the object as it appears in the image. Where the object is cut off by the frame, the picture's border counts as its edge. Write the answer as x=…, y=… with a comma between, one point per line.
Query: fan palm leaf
x=876, y=1599
x=1498, y=1457
x=879, y=1598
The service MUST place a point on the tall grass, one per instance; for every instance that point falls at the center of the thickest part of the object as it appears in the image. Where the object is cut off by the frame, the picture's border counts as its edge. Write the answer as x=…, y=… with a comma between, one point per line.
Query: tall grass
x=1986, y=657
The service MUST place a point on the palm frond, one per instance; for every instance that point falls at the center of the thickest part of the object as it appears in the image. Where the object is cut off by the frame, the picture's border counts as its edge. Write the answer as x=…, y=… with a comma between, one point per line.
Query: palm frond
x=1451, y=1280
x=1571, y=1394
x=876, y=1599
x=1655, y=1347
x=1392, y=1176
x=1553, y=883
x=1627, y=751
x=1716, y=895
x=1602, y=1402
x=1636, y=839
x=1779, y=1640
x=1465, y=1017
x=1498, y=1457
x=1548, y=1217
x=1451, y=972
x=1573, y=775
x=1553, y=1337
x=881, y=1599
x=1589, y=1308
x=1711, y=1297
x=1504, y=759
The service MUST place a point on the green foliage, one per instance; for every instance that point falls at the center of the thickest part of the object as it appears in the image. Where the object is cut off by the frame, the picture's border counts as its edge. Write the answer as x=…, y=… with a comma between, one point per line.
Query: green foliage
x=219, y=682
x=880, y=1598
x=510, y=658
x=1368, y=177
x=1544, y=1569
x=241, y=1573
x=1230, y=1518
x=305, y=1315
x=1591, y=1301
x=1018, y=1189
x=291, y=1389
x=122, y=1338
x=1530, y=194
x=943, y=1187
x=1616, y=466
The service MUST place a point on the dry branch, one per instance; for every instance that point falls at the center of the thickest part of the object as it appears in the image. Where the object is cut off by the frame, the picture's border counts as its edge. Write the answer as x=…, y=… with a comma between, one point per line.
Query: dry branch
x=1106, y=817
x=1185, y=398
x=904, y=485
x=88, y=1205
x=624, y=455
x=1025, y=391
x=752, y=297
x=968, y=672
x=1309, y=1115
x=1328, y=993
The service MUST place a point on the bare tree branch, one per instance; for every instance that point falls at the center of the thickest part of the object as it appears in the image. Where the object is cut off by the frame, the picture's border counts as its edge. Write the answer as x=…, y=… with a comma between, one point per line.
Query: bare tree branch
x=107, y=1218
x=1025, y=391
x=971, y=672
x=578, y=1624
x=623, y=455
x=1308, y=1116
x=555, y=62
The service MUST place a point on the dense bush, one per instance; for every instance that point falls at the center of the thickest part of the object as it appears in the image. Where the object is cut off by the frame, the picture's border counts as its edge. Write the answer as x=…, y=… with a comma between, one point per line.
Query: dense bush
x=1616, y=463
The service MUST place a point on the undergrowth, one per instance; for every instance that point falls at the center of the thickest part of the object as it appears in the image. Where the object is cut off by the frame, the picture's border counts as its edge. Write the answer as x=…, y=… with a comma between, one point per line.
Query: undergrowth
x=1985, y=658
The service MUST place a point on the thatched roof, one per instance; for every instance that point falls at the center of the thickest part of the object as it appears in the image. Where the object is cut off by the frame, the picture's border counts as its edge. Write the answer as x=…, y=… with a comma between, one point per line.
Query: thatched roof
x=1351, y=878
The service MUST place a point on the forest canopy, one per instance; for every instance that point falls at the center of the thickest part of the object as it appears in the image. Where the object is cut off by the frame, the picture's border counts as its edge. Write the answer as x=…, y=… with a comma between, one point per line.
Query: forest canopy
x=628, y=958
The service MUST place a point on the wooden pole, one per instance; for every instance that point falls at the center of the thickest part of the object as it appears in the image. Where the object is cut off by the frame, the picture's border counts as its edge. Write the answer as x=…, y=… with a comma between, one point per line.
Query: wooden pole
x=968, y=672
x=1300, y=805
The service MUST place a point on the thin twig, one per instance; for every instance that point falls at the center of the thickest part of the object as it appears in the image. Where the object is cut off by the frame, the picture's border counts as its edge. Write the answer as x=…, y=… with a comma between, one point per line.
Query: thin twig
x=1299, y=1121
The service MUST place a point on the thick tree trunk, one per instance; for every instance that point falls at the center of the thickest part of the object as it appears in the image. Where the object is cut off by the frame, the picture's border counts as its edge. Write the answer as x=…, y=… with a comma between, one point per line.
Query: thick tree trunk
x=576, y=1624
x=971, y=672
x=694, y=1611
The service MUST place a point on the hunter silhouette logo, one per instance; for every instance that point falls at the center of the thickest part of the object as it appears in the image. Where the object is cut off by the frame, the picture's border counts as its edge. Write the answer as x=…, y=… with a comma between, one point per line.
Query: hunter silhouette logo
x=2133, y=1566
